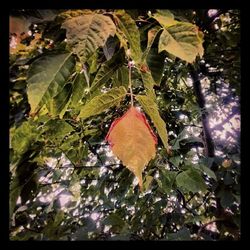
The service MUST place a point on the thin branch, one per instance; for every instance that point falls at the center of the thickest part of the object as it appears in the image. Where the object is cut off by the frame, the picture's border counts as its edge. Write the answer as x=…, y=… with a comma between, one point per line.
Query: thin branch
x=184, y=203
x=192, y=196
x=204, y=200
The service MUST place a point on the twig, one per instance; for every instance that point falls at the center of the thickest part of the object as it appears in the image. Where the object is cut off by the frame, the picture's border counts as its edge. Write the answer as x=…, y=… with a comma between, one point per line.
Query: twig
x=204, y=200
x=184, y=204
x=192, y=196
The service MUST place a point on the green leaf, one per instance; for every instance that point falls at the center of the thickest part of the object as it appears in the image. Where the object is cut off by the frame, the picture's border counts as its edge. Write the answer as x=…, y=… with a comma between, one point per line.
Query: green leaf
x=182, y=40
x=88, y=32
x=71, y=141
x=53, y=227
x=155, y=63
x=191, y=139
x=121, y=77
x=152, y=33
x=165, y=18
x=107, y=70
x=115, y=221
x=176, y=160
x=226, y=198
x=176, y=144
x=128, y=26
x=102, y=102
x=147, y=182
x=76, y=154
x=167, y=179
x=208, y=171
x=59, y=103
x=151, y=109
x=191, y=180
x=93, y=63
x=47, y=77
x=23, y=137
x=57, y=129
x=79, y=89
x=148, y=83
x=207, y=161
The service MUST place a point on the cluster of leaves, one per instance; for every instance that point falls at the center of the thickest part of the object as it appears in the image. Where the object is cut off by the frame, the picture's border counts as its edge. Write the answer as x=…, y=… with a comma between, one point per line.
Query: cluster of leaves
x=67, y=87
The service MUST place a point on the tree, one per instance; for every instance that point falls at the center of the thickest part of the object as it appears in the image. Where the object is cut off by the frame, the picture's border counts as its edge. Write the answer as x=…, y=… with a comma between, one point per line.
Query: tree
x=72, y=73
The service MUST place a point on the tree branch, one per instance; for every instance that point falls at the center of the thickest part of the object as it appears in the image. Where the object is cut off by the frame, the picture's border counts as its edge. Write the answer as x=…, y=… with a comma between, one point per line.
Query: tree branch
x=208, y=141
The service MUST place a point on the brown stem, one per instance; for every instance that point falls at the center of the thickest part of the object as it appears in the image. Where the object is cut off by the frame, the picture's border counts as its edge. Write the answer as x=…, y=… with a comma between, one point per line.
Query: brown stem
x=208, y=141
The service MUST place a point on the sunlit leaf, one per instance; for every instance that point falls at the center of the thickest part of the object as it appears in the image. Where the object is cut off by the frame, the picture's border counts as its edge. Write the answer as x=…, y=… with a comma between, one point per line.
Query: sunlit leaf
x=165, y=18
x=148, y=83
x=23, y=137
x=127, y=25
x=88, y=32
x=132, y=141
x=151, y=109
x=93, y=63
x=102, y=102
x=79, y=89
x=47, y=77
x=181, y=39
x=59, y=103
x=147, y=182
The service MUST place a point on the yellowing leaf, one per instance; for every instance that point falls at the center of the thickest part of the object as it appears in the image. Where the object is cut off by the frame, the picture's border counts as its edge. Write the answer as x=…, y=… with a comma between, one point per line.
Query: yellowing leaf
x=88, y=32
x=165, y=18
x=132, y=141
x=181, y=39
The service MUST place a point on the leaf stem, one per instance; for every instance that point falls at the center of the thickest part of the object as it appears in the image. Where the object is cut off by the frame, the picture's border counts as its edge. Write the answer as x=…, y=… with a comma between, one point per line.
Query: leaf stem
x=130, y=84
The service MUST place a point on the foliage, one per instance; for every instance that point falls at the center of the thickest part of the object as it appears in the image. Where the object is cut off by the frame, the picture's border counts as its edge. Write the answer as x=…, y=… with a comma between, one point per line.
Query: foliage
x=69, y=80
